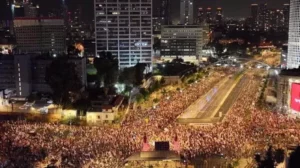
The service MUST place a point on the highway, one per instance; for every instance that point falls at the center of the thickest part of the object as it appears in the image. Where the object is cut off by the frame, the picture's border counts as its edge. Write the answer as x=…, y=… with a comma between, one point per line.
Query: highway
x=193, y=110
x=218, y=101
x=210, y=106
x=234, y=94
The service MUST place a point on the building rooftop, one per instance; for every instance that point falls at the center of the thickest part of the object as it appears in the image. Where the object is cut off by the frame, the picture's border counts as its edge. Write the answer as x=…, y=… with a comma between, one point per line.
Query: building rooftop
x=182, y=26
x=290, y=72
x=154, y=156
x=38, y=18
x=106, y=104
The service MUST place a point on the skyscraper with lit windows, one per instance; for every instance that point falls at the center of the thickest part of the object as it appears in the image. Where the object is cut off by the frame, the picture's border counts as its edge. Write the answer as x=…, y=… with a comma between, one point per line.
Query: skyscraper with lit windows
x=124, y=28
x=186, y=12
x=201, y=17
x=219, y=15
x=254, y=15
x=286, y=15
x=165, y=12
x=208, y=15
x=293, y=59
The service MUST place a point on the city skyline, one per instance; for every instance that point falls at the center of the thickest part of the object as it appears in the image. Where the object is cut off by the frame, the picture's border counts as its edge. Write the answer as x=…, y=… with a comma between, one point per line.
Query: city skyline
x=231, y=8
x=241, y=8
x=149, y=83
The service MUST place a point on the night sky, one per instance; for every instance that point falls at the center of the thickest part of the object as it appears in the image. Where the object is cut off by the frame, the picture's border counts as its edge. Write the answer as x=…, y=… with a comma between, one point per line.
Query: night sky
x=86, y=5
x=231, y=8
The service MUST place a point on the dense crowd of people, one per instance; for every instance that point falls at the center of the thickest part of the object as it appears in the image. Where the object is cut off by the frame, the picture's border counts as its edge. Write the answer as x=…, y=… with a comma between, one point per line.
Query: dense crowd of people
x=245, y=130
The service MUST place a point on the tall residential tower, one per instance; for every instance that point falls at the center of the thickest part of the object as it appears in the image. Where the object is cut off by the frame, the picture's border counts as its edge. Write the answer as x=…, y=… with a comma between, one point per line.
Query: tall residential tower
x=165, y=12
x=286, y=15
x=124, y=28
x=254, y=15
x=186, y=12
x=293, y=59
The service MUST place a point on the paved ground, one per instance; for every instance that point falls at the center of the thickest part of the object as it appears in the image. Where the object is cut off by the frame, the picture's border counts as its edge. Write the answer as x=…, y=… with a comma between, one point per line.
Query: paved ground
x=207, y=109
x=193, y=110
x=234, y=94
x=210, y=106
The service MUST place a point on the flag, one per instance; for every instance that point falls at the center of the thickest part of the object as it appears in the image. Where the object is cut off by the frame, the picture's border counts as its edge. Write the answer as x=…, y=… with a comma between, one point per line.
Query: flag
x=176, y=145
x=146, y=147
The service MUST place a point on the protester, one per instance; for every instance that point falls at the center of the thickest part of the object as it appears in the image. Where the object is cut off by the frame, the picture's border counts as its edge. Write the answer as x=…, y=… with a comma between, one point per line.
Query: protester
x=245, y=130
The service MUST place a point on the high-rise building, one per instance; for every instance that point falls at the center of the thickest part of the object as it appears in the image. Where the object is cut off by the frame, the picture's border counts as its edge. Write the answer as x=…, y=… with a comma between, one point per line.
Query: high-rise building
x=269, y=19
x=262, y=15
x=219, y=15
x=293, y=59
x=286, y=15
x=186, y=12
x=76, y=29
x=254, y=15
x=165, y=12
x=277, y=19
x=201, y=17
x=156, y=23
x=31, y=10
x=18, y=10
x=5, y=13
x=208, y=15
x=124, y=28
x=26, y=73
x=40, y=35
x=24, y=9
x=182, y=41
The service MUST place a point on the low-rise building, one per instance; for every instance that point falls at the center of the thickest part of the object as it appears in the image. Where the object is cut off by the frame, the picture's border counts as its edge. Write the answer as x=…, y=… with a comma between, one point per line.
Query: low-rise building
x=101, y=112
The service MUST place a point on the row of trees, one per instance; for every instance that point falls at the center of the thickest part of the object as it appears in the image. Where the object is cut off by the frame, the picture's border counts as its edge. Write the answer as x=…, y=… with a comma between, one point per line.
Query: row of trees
x=62, y=77
x=66, y=85
x=274, y=157
x=108, y=71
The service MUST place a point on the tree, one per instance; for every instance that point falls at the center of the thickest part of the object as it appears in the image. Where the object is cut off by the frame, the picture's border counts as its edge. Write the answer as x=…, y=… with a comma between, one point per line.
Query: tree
x=279, y=155
x=177, y=60
x=219, y=48
x=62, y=77
x=107, y=68
x=294, y=161
x=155, y=101
x=269, y=159
x=163, y=81
x=157, y=44
x=127, y=76
x=82, y=105
x=139, y=73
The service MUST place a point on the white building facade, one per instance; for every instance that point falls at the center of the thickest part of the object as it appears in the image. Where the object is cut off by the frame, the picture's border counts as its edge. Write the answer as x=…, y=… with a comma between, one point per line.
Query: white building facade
x=186, y=11
x=124, y=28
x=293, y=59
